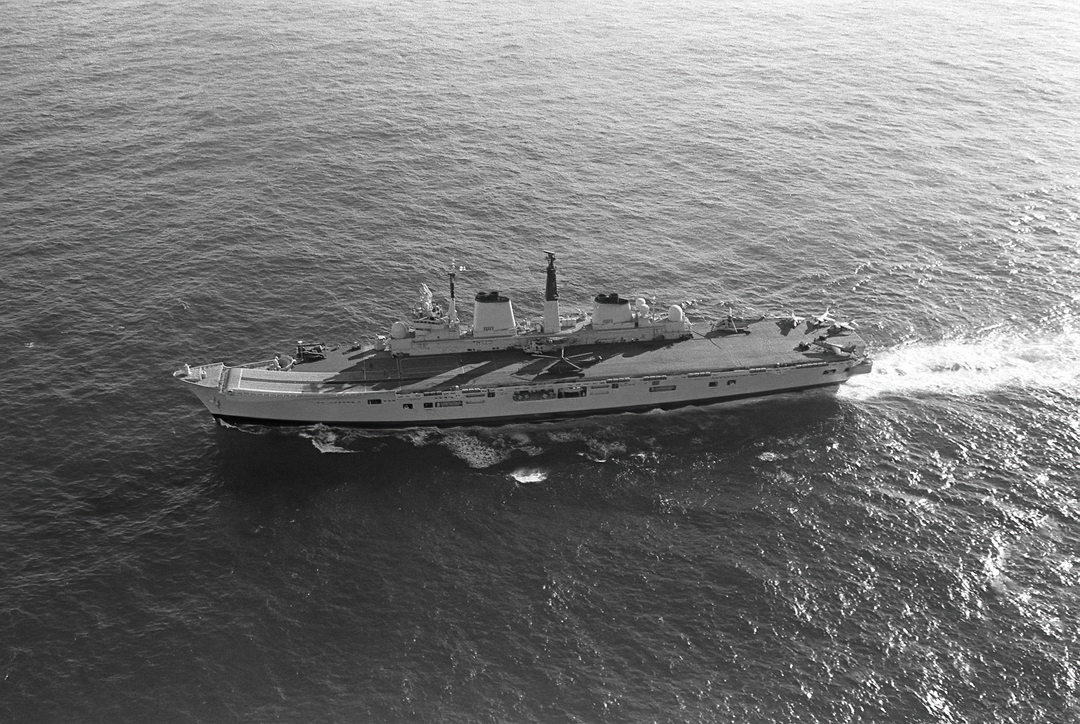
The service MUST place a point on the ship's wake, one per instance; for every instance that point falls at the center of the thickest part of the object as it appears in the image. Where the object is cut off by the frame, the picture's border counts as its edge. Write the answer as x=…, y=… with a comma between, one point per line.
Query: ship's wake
x=963, y=366
x=529, y=475
x=325, y=439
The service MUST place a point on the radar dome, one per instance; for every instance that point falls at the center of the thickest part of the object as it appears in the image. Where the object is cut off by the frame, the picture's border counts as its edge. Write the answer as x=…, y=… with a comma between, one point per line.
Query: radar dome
x=398, y=330
x=675, y=313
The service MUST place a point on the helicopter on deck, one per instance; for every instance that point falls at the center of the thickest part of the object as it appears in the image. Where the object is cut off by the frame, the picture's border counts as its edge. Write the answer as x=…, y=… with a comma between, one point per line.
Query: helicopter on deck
x=732, y=324
x=563, y=364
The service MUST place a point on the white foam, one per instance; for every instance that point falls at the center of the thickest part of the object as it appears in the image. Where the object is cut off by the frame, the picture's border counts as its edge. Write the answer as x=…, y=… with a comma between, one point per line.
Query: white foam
x=325, y=440
x=526, y=476
x=973, y=366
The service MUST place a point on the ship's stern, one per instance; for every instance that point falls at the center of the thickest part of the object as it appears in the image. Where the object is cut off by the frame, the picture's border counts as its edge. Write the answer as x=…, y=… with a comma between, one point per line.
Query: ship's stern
x=863, y=366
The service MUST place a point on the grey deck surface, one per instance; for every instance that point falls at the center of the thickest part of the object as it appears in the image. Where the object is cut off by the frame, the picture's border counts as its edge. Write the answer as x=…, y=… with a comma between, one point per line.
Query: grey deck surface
x=767, y=344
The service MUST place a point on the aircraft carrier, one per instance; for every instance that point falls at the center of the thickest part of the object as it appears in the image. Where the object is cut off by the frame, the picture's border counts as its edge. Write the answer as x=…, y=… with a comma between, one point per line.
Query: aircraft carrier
x=433, y=370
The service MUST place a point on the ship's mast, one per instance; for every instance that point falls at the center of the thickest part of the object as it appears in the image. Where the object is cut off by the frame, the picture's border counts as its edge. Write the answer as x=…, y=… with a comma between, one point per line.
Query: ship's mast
x=551, y=298
x=451, y=313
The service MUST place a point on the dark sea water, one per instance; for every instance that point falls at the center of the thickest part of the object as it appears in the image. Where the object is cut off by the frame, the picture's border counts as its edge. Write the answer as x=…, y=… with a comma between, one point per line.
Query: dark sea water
x=204, y=181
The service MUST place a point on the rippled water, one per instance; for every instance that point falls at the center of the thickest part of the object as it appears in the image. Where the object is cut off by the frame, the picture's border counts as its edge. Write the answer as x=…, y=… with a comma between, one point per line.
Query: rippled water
x=190, y=182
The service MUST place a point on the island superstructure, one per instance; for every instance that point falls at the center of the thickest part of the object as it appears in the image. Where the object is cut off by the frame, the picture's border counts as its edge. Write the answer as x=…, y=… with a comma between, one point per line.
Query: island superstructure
x=432, y=370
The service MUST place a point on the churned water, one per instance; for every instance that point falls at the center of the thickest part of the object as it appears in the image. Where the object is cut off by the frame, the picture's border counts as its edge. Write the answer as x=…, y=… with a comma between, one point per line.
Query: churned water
x=204, y=181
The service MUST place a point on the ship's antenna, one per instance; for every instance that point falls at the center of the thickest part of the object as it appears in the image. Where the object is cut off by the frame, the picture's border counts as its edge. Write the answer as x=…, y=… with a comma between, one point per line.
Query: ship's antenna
x=451, y=313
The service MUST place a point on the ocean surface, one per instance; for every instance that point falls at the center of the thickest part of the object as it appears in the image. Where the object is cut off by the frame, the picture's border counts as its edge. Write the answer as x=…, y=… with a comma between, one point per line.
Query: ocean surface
x=208, y=181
